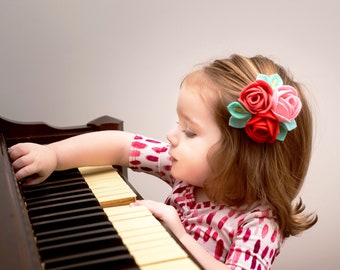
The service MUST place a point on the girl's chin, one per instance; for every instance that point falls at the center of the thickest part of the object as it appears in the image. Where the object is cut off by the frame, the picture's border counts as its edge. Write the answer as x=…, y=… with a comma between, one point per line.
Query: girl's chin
x=174, y=172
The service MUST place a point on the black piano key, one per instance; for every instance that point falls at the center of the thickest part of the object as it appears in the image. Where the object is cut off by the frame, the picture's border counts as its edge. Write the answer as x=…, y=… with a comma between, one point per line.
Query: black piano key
x=84, y=245
x=66, y=213
x=63, y=176
x=75, y=244
x=109, y=258
x=73, y=230
x=51, y=181
x=60, y=177
x=61, y=207
x=74, y=237
x=41, y=190
x=59, y=200
x=70, y=173
x=33, y=199
x=68, y=222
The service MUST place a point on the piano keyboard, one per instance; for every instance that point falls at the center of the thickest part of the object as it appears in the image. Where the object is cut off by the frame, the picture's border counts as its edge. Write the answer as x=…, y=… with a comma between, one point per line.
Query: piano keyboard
x=147, y=240
x=151, y=245
x=73, y=232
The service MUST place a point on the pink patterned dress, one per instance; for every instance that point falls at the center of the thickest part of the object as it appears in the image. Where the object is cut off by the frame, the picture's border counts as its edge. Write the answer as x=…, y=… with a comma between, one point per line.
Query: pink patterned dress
x=241, y=240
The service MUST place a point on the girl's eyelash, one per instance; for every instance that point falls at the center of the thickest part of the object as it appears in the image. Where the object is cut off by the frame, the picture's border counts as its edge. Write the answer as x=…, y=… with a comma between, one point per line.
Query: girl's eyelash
x=189, y=133
x=186, y=131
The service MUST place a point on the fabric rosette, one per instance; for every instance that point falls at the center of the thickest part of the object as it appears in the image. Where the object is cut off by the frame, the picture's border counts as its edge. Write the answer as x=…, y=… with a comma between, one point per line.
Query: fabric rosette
x=266, y=109
x=256, y=97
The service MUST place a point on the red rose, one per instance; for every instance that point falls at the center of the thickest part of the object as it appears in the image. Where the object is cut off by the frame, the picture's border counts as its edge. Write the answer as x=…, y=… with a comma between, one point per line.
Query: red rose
x=257, y=97
x=263, y=127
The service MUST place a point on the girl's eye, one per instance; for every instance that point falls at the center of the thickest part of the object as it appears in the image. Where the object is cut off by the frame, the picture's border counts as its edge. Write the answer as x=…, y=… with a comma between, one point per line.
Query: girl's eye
x=186, y=131
x=189, y=133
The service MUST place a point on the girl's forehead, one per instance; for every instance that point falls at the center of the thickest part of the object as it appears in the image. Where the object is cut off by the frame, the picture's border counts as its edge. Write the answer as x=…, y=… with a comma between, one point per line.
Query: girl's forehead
x=199, y=83
x=198, y=77
x=194, y=110
x=191, y=102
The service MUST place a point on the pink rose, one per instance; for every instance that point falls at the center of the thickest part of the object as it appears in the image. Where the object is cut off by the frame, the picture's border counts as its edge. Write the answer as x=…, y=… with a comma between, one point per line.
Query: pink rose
x=257, y=97
x=263, y=127
x=286, y=103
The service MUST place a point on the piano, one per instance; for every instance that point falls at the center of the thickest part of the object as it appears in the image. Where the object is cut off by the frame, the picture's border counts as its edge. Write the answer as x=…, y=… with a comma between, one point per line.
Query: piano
x=79, y=218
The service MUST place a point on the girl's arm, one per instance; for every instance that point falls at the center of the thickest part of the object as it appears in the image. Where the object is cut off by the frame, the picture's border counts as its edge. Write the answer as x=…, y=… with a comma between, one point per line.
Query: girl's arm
x=169, y=216
x=36, y=162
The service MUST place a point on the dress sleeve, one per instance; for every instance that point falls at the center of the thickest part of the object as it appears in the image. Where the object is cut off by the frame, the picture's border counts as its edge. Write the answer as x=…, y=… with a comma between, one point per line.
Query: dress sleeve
x=256, y=243
x=151, y=156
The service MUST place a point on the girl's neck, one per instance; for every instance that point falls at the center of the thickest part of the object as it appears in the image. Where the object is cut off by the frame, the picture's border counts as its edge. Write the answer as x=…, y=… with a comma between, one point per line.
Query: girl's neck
x=200, y=195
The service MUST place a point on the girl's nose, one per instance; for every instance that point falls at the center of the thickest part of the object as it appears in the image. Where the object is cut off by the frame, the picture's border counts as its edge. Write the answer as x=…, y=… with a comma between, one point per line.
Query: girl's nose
x=172, y=137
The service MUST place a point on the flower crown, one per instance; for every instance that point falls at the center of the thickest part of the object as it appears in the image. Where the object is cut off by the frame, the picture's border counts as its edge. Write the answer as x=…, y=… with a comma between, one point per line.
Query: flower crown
x=266, y=109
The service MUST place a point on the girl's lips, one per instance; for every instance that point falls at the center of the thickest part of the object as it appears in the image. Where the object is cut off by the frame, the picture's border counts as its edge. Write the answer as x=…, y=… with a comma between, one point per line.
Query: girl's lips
x=172, y=159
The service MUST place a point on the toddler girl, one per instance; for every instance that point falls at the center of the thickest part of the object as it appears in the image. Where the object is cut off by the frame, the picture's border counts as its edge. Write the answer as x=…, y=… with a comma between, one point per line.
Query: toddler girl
x=236, y=161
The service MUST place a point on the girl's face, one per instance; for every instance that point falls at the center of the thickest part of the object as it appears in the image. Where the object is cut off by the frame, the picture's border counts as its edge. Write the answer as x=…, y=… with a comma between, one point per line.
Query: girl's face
x=191, y=140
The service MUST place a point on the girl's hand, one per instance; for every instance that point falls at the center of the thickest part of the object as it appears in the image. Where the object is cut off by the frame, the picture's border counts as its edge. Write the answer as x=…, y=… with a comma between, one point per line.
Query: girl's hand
x=169, y=216
x=165, y=213
x=32, y=161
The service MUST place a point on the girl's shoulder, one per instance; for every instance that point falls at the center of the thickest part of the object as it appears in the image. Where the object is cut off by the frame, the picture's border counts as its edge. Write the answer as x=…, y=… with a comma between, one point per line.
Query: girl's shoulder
x=260, y=220
x=257, y=211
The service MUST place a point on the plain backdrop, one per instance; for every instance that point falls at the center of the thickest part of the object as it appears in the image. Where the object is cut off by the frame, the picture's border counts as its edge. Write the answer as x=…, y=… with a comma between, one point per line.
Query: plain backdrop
x=68, y=62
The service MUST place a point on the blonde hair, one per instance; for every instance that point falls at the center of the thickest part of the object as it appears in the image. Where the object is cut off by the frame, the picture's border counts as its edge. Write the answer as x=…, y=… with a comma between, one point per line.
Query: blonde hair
x=244, y=171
